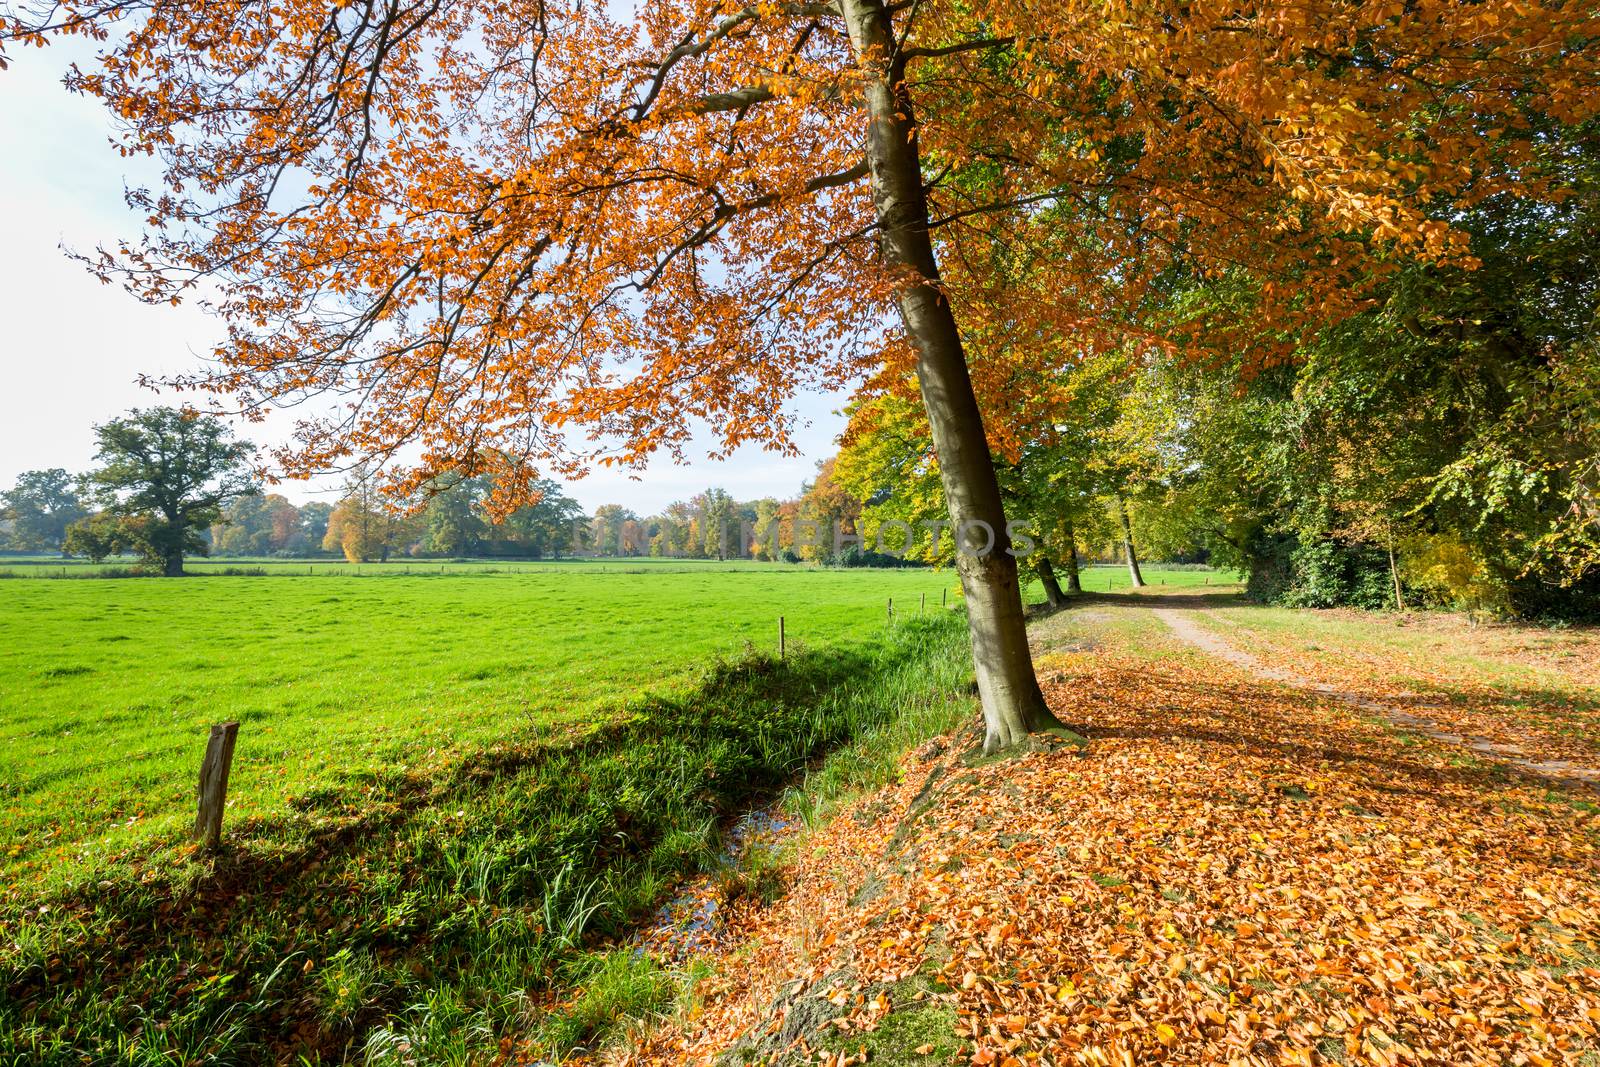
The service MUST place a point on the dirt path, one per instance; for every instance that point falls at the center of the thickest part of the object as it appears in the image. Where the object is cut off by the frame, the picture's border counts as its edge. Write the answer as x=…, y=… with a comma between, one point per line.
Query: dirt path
x=1564, y=771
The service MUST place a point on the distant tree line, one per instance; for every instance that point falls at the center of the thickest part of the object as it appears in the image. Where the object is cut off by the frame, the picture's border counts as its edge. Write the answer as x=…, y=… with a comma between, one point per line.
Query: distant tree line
x=174, y=483
x=453, y=517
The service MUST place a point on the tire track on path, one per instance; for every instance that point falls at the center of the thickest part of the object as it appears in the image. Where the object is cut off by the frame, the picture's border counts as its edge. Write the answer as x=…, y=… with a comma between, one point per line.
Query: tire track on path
x=1565, y=772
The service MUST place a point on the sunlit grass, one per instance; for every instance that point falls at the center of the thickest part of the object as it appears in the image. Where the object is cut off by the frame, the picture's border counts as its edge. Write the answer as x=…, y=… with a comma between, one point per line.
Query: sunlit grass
x=107, y=688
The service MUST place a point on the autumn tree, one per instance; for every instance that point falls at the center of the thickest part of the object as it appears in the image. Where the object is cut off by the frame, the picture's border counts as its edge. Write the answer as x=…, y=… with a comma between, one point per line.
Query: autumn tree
x=257, y=525
x=523, y=229
x=826, y=515
x=610, y=529
x=1080, y=441
x=676, y=531
x=766, y=542
x=168, y=472
x=362, y=525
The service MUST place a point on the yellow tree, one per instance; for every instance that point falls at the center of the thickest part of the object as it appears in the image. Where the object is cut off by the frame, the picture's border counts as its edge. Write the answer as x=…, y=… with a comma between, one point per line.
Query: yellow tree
x=360, y=526
x=525, y=235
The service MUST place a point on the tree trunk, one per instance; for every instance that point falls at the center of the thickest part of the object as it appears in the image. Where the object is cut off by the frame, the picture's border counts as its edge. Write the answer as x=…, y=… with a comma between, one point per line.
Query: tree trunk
x=172, y=566
x=1127, y=544
x=1074, y=579
x=1013, y=704
x=1394, y=576
x=1052, y=587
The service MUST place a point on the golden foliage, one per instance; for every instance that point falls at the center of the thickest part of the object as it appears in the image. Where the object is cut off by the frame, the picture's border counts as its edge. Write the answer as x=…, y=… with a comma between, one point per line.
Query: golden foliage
x=508, y=234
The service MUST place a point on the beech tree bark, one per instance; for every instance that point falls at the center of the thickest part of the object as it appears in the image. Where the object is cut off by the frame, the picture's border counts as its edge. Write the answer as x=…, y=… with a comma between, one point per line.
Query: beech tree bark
x=1013, y=704
x=1052, y=586
x=1074, y=579
x=1127, y=544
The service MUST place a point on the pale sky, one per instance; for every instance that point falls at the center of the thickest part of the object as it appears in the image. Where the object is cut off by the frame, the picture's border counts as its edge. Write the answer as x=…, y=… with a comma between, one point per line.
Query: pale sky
x=71, y=349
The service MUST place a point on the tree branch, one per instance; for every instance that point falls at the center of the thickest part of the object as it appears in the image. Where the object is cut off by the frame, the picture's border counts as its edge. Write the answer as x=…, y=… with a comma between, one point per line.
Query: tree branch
x=726, y=212
x=964, y=46
x=689, y=48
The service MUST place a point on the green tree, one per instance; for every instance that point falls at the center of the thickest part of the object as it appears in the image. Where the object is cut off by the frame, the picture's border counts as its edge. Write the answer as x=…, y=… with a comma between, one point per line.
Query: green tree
x=1440, y=446
x=1074, y=445
x=40, y=507
x=719, y=523
x=454, y=522
x=312, y=526
x=546, y=526
x=168, y=473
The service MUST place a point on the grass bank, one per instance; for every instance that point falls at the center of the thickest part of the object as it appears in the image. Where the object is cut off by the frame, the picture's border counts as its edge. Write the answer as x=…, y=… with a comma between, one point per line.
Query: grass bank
x=417, y=915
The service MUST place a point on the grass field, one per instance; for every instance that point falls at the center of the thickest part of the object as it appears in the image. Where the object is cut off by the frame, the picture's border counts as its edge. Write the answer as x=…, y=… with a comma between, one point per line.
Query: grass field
x=507, y=762
x=107, y=688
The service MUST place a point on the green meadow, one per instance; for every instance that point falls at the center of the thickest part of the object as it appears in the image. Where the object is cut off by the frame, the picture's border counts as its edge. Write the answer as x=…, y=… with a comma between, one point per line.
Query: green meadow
x=107, y=688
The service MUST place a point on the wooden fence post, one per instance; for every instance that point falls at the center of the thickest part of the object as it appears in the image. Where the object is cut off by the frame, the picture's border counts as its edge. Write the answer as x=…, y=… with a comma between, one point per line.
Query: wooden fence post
x=924, y=609
x=891, y=611
x=214, y=783
x=780, y=636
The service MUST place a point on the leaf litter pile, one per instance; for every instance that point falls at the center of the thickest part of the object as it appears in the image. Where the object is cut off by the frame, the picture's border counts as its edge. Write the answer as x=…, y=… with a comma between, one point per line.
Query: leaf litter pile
x=1234, y=874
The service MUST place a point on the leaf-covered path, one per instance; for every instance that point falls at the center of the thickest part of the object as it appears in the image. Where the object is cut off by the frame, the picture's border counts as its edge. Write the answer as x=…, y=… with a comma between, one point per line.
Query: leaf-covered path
x=1239, y=872
x=1567, y=771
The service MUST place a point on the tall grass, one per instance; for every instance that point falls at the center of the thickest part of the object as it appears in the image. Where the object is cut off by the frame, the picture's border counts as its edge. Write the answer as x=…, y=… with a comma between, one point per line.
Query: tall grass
x=886, y=716
x=908, y=704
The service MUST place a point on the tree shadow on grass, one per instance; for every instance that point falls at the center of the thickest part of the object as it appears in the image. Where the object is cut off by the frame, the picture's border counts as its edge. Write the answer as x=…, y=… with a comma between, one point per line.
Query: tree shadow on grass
x=1150, y=597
